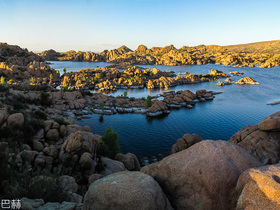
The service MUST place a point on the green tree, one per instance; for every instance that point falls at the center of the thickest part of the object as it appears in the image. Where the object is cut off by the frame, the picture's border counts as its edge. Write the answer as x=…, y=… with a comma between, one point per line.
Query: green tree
x=101, y=105
x=148, y=101
x=64, y=70
x=65, y=87
x=110, y=143
x=2, y=80
x=125, y=94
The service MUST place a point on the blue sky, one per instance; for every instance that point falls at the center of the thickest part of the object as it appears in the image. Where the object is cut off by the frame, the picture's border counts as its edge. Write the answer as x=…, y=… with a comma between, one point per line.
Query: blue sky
x=91, y=25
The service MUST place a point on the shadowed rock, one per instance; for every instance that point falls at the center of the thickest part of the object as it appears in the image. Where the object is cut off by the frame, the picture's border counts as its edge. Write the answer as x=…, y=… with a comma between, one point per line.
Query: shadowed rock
x=125, y=190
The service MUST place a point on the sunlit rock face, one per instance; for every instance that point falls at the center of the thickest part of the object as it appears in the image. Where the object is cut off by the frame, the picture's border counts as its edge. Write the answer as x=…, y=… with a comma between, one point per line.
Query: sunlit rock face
x=202, y=176
x=262, y=140
x=259, y=188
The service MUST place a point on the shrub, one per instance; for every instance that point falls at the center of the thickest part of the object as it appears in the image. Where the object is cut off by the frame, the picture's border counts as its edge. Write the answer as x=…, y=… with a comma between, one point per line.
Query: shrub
x=3, y=88
x=10, y=81
x=102, y=105
x=61, y=121
x=148, y=101
x=125, y=94
x=2, y=80
x=40, y=115
x=45, y=99
x=65, y=87
x=110, y=143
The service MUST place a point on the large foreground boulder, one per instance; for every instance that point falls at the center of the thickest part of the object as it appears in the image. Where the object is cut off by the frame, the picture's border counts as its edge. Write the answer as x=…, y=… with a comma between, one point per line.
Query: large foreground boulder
x=262, y=140
x=202, y=176
x=270, y=123
x=125, y=190
x=259, y=188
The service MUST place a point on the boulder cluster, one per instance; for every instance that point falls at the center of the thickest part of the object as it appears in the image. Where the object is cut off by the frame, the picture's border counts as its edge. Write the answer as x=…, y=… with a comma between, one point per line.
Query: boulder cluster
x=111, y=78
x=171, y=100
x=262, y=140
x=61, y=148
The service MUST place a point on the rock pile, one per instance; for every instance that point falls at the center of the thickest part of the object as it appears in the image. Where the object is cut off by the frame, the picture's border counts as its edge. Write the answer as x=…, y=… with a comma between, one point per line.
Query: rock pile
x=262, y=140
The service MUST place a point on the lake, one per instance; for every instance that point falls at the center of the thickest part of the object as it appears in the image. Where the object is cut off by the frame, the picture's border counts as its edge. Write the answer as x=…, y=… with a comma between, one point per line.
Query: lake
x=236, y=107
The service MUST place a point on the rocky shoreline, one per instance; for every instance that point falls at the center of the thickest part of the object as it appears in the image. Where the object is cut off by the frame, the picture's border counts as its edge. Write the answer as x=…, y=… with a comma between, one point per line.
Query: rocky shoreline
x=48, y=162
x=23, y=71
x=242, y=167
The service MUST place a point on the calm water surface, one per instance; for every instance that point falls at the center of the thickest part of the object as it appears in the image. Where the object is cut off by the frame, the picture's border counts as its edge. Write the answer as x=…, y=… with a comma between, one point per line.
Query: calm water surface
x=236, y=107
x=76, y=65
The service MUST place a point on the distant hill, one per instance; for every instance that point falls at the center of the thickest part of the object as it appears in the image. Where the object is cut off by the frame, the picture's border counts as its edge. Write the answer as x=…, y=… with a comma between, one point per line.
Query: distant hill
x=272, y=47
x=262, y=54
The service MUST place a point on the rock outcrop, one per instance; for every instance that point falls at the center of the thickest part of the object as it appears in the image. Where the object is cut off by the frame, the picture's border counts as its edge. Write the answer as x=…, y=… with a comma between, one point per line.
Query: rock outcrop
x=169, y=55
x=247, y=81
x=186, y=141
x=129, y=160
x=157, y=108
x=259, y=188
x=202, y=176
x=14, y=55
x=270, y=123
x=262, y=140
x=126, y=190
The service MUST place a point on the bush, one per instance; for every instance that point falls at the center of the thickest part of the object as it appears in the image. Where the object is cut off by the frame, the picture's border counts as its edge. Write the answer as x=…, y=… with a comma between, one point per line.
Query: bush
x=3, y=88
x=17, y=185
x=65, y=87
x=125, y=94
x=61, y=121
x=2, y=80
x=110, y=143
x=40, y=115
x=148, y=101
x=102, y=105
x=45, y=99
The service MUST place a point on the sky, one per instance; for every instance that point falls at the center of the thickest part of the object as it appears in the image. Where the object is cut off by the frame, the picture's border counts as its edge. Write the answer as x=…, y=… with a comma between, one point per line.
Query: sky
x=95, y=25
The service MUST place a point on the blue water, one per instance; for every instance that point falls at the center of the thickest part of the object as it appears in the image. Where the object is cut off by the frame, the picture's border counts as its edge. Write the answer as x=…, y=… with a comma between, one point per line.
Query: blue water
x=76, y=65
x=236, y=107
